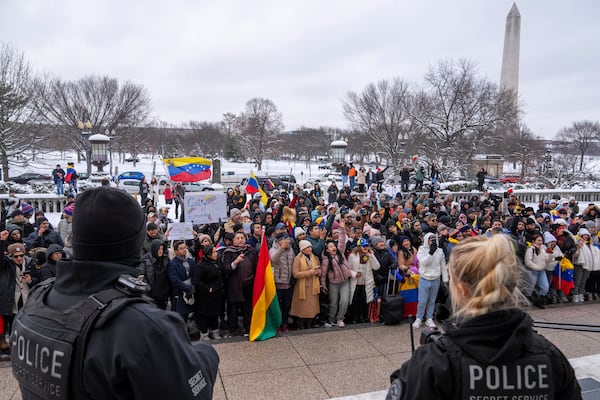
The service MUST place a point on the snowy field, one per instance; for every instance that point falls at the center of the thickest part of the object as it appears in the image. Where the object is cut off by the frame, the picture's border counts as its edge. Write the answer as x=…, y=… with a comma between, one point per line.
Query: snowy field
x=304, y=172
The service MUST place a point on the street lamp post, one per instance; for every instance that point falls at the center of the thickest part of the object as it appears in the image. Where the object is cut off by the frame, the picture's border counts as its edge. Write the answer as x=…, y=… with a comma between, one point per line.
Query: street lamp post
x=86, y=131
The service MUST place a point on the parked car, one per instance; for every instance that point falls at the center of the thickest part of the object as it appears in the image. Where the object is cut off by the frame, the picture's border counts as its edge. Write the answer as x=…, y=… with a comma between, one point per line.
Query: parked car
x=511, y=179
x=130, y=185
x=82, y=176
x=30, y=176
x=286, y=182
x=132, y=159
x=202, y=186
x=131, y=175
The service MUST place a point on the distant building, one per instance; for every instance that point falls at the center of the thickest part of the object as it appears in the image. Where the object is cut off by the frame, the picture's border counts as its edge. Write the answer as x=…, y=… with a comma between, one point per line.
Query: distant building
x=492, y=163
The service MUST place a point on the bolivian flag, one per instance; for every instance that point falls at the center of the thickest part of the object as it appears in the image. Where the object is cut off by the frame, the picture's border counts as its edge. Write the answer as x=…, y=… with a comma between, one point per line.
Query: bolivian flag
x=188, y=169
x=266, y=315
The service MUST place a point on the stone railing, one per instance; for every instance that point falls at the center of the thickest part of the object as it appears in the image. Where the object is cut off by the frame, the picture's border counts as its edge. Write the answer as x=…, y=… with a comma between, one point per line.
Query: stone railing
x=54, y=203
x=534, y=196
x=45, y=202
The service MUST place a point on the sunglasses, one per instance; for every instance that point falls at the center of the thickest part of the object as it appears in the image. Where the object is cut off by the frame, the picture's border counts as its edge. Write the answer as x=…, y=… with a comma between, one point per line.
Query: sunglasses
x=18, y=256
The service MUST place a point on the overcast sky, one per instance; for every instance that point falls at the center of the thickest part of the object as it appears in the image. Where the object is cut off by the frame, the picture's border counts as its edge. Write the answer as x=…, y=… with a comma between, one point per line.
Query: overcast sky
x=200, y=59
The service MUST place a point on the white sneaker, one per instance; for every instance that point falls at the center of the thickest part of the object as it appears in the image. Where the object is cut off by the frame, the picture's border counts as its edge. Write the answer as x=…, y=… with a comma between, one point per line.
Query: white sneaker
x=417, y=324
x=340, y=323
x=429, y=323
x=327, y=325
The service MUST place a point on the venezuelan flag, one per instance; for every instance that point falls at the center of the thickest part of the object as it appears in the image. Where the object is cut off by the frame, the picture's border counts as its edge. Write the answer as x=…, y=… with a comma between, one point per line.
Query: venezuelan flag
x=554, y=215
x=562, y=277
x=266, y=315
x=188, y=169
x=70, y=173
x=409, y=289
x=253, y=187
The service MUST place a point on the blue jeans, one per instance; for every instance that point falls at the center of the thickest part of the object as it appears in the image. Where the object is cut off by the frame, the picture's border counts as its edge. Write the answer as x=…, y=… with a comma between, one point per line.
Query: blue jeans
x=59, y=188
x=344, y=180
x=541, y=279
x=428, y=291
x=352, y=182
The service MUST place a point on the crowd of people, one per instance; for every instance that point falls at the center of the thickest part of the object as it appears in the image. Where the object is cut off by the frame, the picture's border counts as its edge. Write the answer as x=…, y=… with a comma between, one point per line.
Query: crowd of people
x=332, y=252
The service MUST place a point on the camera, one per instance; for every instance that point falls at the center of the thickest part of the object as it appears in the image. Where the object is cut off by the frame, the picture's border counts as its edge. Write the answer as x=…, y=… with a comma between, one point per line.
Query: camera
x=132, y=285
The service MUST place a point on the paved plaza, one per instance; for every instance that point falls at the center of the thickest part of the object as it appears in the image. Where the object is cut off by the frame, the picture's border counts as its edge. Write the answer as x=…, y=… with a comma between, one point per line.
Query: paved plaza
x=355, y=361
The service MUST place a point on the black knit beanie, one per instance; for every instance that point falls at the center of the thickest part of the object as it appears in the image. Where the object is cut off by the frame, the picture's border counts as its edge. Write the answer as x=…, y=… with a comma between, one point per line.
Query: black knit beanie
x=108, y=225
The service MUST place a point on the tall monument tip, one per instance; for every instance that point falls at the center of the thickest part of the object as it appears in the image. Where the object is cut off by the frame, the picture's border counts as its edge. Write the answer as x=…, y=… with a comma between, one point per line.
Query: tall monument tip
x=514, y=11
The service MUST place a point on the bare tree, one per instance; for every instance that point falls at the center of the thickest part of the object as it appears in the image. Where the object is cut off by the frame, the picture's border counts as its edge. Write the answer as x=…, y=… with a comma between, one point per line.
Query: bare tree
x=382, y=112
x=260, y=125
x=100, y=100
x=207, y=136
x=230, y=126
x=581, y=135
x=15, y=108
x=458, y=112
x=521, y=145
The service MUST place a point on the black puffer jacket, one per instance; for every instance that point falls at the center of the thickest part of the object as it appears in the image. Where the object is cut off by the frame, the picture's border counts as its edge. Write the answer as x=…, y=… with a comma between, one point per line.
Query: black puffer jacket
x=497, y=354
x=118, y=364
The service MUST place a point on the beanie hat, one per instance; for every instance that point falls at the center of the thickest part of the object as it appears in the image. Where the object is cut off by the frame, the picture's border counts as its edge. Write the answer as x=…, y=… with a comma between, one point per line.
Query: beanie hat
x=589, y=224
x=441, y=227
x=233, y=212
x=548, y=237
x=304, y=244
x=299, y=231
x=108, y=225
x=375, y=239
x=69, y=209
x=16, y=247
x=26, y=208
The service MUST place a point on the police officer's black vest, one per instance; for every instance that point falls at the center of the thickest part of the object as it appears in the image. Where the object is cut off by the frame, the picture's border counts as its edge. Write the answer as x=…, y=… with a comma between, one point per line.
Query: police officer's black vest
x=48, y=346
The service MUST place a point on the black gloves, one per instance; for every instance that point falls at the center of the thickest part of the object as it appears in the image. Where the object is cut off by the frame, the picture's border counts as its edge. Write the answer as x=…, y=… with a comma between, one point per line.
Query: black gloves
x=432, y=248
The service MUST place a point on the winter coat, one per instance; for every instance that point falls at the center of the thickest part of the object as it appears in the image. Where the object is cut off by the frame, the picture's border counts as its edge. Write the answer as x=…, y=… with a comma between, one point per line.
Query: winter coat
x=361, y=178
x=420, y=174
x=8, y=276
x=305, y=296
x=336, y=272
x=537, y=262
x=64, y=228
x=155, y=270
x=146, y=366
x=282, y=261
x=586, y=256
x=387, y=262
x=432, y=266
x=332, y=192
x=367, y=269
x=551, y=264
x=208, y=285
x=242, y=275
x=505, y=340
x=47, y=238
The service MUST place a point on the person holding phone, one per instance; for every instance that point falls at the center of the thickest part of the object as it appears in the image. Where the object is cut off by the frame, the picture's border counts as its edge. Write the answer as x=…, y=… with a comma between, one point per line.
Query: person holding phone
x=363, y=262
x=14, y=282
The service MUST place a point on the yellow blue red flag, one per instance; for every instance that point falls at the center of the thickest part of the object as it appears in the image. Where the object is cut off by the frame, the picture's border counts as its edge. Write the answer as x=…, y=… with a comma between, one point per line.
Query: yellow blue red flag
x=188, y=169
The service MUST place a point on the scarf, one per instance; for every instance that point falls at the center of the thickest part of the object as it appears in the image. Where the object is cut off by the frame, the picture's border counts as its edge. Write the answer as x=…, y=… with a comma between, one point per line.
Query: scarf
x=304, y=266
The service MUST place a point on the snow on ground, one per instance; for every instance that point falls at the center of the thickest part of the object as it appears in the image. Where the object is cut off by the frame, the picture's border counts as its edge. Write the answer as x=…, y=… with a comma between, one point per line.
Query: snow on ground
x=303, y=172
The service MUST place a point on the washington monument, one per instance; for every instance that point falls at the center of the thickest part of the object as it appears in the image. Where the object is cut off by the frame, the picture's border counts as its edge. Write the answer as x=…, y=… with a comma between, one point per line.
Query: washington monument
x=509, y=77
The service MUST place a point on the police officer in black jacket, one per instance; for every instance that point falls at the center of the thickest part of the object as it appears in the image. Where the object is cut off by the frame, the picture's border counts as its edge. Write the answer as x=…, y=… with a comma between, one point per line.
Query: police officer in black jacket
x=489, y=349
x=93, y=334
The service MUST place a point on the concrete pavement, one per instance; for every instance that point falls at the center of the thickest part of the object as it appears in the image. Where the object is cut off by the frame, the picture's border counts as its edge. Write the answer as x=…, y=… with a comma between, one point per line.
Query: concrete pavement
x=327, y=363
